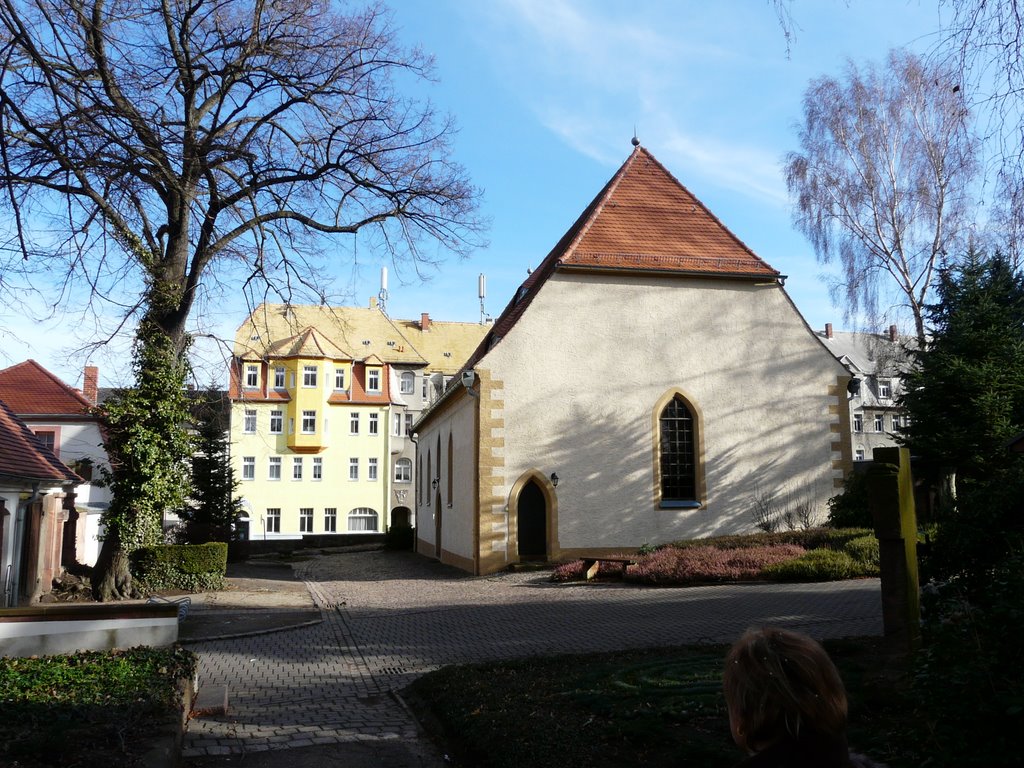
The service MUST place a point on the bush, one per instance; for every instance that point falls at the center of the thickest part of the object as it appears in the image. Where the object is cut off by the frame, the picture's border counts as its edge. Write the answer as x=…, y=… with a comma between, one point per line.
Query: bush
x=969, y=670
x=864, y=550
x=849, y=509
x=191, y=567
x=818, y=565
x=812, y=538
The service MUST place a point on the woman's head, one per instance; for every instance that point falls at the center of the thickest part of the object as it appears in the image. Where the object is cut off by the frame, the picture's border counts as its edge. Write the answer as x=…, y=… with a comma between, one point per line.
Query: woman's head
x=781, y=684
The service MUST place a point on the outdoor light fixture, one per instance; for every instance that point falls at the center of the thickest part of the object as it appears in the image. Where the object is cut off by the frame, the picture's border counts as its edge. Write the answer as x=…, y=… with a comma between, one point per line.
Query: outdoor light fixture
x=554, y=479
x=434, y=483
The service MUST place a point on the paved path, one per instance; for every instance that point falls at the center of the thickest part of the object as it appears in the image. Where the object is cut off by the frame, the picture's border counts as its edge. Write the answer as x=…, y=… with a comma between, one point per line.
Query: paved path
x=390, y=617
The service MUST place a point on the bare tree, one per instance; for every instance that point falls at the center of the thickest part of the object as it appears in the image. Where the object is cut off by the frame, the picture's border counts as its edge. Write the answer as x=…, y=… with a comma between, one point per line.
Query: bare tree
x=149, y=145
x=883, y=179
x=983, y=42
x=169, y=138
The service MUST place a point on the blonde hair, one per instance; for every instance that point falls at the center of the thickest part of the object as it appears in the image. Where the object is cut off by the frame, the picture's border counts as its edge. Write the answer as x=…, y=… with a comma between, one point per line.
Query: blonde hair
x=781, y=684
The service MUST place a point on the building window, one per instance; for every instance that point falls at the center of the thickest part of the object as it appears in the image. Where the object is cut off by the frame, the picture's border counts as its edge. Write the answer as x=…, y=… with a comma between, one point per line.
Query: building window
x=371, y=469
x=884, y=389
x=330, y=520
x=362, y=519
x=353, y=424
x=309, y=375
x=252, y=376
x=276, y=422
x=318, y=468
x=859, y=454
x=248, y=467
x=678, y=454
x=279, y=377
x=403, y=471
x=373, y=380
x=858, y=422
x=353, y=469
x=297, y=468
x=305, y=519
x=249, y=427
x=397, y=424
x=274, y=468
x=426, y=381
x=308, y=422
x=339, y=379
x=408, y=424
x=274, y=520
x=48, y=439
x=896, y=423
x=879, y=422
x=374, y=426
x=408, y=385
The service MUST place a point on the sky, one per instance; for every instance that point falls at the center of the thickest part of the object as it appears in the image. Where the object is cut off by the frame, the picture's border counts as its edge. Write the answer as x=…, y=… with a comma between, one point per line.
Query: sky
x=546, y=96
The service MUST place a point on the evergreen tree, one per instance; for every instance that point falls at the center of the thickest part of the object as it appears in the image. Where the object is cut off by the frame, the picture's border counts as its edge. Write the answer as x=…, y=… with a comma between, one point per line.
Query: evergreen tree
x=213, y=510
x=966, y=394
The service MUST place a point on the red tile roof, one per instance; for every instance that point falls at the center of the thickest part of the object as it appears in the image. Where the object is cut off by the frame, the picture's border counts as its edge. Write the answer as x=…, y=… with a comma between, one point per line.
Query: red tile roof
x=23, y=457
x=643, y=221
x=29, y=389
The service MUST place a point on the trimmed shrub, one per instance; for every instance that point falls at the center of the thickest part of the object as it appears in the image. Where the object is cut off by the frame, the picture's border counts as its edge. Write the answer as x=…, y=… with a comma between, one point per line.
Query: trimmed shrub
x=818, y=565
x=864, y=549
x=190, y=567
x=812, y=538
x=699, y=565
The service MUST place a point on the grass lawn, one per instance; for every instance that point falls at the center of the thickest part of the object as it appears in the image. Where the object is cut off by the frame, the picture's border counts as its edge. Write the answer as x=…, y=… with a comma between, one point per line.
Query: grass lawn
x=655, y=708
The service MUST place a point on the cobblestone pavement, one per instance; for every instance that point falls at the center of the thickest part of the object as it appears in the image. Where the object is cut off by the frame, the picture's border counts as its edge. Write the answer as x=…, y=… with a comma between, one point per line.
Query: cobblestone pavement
x=390, y=617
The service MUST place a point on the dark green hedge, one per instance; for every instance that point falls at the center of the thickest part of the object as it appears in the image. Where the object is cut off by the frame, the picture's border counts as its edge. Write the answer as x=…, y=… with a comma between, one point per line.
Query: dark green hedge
x=191, y=567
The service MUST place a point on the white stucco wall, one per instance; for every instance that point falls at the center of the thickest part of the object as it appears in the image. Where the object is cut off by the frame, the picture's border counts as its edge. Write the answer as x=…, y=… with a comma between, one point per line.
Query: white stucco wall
x=586, y=364
x=457, y=512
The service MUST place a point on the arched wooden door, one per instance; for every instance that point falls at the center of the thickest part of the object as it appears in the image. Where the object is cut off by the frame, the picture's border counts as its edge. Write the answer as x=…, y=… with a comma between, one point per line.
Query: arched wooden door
x=532, y=515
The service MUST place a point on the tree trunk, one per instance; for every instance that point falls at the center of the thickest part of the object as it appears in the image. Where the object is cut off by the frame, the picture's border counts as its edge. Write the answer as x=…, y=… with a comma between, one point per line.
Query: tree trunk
x=111, y=577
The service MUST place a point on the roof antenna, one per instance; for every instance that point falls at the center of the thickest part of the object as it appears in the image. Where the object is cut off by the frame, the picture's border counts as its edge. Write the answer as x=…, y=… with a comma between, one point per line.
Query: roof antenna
x=634, y=141
x=382, y=297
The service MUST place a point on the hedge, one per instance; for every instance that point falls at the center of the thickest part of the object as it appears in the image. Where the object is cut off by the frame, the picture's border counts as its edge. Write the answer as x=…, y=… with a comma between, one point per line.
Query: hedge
x=191, y=567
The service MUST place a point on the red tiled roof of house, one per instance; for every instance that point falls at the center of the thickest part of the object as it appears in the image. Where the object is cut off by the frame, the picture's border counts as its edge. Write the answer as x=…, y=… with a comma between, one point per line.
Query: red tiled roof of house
x=644, y=221
x=22, y=456
x=30, y=389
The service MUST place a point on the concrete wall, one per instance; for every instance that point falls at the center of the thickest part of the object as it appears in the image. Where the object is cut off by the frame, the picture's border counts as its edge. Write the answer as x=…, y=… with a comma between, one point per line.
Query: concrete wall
x=585, y=371
x=54, y=629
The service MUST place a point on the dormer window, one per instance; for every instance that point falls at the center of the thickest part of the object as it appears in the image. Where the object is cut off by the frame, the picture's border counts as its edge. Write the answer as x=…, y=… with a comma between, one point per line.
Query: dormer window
x=408, y=382
x=884, y=389
x=373, y=380
x=252, y=376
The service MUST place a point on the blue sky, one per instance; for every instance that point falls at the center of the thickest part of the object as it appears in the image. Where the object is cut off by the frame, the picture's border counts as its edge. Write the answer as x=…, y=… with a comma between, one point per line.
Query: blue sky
x=546, y=95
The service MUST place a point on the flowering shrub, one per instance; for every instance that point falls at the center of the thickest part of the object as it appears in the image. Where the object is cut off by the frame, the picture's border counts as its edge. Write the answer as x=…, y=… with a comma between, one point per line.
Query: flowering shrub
x=695, y=565
x=690, y=565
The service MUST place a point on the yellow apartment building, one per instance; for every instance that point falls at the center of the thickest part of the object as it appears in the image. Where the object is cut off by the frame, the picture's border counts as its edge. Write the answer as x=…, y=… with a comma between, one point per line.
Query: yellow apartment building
x=322, y=405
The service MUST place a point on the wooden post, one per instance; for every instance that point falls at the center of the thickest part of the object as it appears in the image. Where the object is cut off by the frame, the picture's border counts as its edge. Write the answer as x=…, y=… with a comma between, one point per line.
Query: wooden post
x=891, y=500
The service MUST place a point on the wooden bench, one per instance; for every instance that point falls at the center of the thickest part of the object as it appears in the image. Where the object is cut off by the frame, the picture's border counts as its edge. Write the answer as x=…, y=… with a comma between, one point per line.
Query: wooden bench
x=591, y=565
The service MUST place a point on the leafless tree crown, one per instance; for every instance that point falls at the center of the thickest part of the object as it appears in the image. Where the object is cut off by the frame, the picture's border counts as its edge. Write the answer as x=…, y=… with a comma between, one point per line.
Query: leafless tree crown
x=144, y=141
x=883, y=179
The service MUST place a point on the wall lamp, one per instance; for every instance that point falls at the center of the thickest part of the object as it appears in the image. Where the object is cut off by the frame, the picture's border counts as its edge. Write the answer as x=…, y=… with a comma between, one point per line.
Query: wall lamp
x=554, y=479
x=434, y=483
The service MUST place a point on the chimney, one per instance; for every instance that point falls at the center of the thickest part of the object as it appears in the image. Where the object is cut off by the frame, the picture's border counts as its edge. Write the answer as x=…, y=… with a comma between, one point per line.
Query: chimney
x=373, y=302
x=893, y=335
x=828, y=330
x=425, y=321
x=90, y=383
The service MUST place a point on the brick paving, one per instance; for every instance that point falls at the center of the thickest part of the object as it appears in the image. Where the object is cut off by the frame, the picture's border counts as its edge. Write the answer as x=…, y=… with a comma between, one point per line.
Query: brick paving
x=390, y=617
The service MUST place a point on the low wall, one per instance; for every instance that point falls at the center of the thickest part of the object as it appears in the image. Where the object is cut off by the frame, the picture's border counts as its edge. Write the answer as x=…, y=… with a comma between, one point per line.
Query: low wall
x=46, y=630
x=239, y=550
